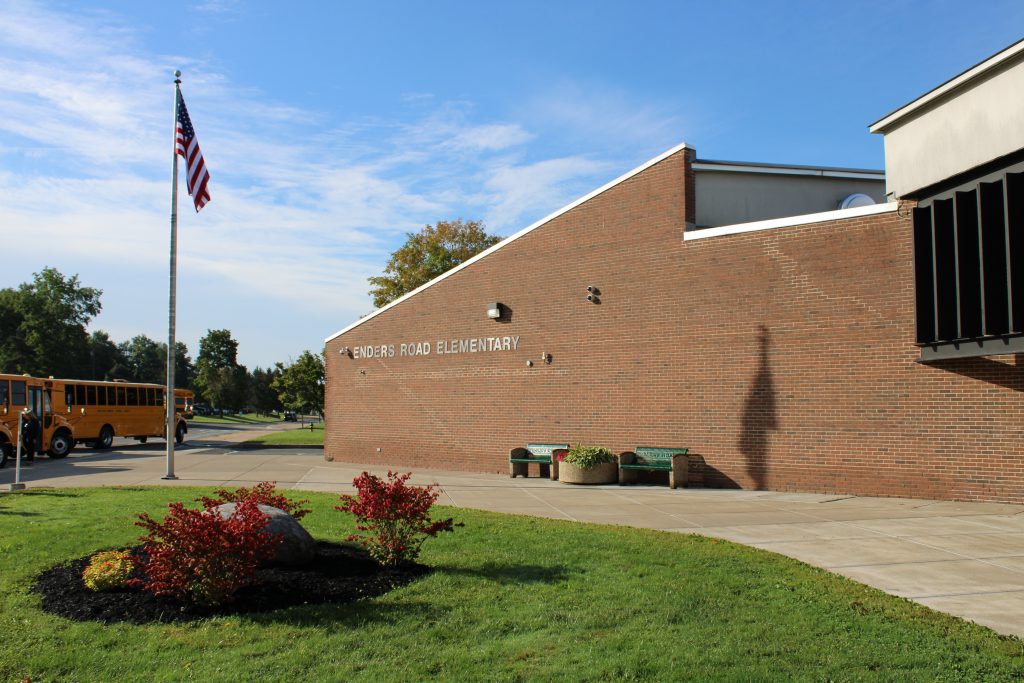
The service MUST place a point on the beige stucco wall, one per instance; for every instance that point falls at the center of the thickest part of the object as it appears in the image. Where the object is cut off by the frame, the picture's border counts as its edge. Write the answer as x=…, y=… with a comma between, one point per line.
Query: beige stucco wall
x=976, y=123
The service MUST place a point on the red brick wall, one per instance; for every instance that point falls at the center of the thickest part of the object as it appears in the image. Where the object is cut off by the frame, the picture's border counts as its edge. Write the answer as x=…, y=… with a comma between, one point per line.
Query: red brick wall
x=783, y=358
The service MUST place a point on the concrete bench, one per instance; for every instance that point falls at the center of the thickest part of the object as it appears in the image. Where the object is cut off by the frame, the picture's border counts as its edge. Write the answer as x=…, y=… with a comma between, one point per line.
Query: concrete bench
x=654, y=459
x=540, y=454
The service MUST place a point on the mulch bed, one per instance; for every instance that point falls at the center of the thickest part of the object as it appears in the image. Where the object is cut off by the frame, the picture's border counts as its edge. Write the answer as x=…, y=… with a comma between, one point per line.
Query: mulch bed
x=339, y=574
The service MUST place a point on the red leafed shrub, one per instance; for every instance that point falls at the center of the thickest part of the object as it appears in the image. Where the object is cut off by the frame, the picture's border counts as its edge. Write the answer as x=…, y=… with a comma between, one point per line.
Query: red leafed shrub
x=396, y=515
x=196, y=556
x=263, y=493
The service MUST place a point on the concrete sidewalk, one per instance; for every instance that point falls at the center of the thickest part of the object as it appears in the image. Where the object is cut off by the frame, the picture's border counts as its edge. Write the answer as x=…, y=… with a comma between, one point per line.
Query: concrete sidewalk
x=966, y=559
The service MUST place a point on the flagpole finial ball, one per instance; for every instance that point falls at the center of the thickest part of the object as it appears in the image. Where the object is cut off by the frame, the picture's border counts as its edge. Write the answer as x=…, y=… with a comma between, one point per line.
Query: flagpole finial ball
x=177, y=74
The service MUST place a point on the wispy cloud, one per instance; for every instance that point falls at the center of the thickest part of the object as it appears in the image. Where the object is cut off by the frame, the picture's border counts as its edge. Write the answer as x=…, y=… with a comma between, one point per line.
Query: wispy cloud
x=576, y=111
x=302, y=201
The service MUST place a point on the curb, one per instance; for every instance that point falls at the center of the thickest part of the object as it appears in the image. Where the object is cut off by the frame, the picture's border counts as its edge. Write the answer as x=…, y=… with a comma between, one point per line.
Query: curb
x=253, y=446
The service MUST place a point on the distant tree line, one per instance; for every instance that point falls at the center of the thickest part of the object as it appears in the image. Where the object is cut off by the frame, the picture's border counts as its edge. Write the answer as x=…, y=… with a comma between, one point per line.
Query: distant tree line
x=43, y=333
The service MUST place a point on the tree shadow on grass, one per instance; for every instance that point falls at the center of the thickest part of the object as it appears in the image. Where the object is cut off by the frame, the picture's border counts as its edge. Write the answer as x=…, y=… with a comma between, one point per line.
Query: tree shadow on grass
x=350, y=615
x=516, y=573
x=17, y=513
x=54, y=493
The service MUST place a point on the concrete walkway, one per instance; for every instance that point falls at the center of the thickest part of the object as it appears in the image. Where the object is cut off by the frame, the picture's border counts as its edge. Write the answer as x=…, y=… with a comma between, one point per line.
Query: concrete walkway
x=966, y=559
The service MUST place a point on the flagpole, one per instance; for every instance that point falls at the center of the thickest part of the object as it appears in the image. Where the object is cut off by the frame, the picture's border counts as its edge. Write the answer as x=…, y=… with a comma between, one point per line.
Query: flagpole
x=171, y=407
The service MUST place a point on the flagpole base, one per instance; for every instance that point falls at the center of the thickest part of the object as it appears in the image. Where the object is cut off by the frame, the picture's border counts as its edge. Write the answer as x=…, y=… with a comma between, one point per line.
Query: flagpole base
x=168, y=476
x=15, y=487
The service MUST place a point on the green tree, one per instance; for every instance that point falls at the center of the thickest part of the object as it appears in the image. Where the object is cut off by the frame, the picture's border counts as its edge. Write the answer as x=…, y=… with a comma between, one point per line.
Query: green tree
x=184, y=371
x=144, y=360
x=218, y=376
x=300, y=386
x=43, y=325
x=427, y=254
x=262, y=395
x=104, y=356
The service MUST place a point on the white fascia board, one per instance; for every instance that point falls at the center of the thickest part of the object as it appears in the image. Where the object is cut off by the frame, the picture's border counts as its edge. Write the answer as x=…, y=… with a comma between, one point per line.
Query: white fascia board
x=781, y=170
x=952, y=84
x=790, y=221
x=512, y=238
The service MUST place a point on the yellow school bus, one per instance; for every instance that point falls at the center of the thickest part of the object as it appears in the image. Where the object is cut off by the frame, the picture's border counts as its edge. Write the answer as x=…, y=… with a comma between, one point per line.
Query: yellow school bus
x=18, y=392
x=99, y=411
x=184, y=399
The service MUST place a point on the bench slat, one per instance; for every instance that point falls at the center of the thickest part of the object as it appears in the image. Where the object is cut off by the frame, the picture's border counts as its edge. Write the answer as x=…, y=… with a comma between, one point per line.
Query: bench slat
x=546, y=450
x=647, y=466
x=657, y=457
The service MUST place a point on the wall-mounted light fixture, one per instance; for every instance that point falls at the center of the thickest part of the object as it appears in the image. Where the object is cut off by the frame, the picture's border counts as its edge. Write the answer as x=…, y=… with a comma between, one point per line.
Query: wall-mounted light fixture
x=493, y=311
x=345, y=351
x=593, y=294
x=545, y=357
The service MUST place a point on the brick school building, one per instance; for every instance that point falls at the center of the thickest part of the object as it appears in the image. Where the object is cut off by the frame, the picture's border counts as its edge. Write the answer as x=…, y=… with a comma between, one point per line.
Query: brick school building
x=798, y=328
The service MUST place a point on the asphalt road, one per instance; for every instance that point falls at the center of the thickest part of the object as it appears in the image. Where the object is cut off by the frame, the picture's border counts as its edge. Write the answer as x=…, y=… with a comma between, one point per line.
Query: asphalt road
x=200, y=436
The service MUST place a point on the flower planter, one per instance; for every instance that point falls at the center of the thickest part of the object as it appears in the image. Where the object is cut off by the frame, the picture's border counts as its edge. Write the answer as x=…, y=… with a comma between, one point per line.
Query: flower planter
x=605, y=473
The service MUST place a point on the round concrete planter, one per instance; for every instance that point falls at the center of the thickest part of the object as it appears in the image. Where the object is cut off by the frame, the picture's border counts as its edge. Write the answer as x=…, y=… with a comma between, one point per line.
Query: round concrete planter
x=605, y=473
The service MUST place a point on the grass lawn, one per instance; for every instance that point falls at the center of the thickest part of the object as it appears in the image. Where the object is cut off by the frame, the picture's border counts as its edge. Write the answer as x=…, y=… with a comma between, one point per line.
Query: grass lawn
x=249, y=418
x=512, y=598
x=294, y=437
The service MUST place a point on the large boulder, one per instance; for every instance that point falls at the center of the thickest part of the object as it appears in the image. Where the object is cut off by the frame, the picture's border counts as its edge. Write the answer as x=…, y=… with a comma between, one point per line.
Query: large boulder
x=297, y=547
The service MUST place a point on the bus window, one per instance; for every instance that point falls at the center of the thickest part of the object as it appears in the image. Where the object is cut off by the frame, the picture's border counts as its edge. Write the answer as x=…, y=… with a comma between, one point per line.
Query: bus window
x=157, y=397
x=90, y=395
x=18, y=392
x=69, y=395
x=4, y=388
x=132, y=396
x=80, y=394
x=120, y=396
x=101, y=396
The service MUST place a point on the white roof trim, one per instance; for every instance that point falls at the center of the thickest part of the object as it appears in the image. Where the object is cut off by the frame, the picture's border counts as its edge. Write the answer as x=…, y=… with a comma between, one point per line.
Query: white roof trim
x=782, y=170
x=512, y=238
x=789, y=221
x=947, y=87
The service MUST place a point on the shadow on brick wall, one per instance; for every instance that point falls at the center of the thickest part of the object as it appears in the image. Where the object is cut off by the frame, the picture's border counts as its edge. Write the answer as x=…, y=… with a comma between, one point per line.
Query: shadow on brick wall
x=760, y=417
x=1009, y=375
x=700, y=473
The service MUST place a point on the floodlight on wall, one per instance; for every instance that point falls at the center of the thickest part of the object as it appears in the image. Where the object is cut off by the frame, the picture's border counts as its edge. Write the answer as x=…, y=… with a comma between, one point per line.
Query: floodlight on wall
x=545, y=357
x=493, y=311
x=593, y=294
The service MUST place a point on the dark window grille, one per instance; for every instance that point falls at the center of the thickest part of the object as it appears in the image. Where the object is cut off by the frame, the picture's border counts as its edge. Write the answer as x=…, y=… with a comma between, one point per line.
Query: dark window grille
x=969, y=261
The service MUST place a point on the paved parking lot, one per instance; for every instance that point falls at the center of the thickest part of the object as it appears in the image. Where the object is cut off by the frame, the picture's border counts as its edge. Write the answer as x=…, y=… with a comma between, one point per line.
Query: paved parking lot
x=966, y=559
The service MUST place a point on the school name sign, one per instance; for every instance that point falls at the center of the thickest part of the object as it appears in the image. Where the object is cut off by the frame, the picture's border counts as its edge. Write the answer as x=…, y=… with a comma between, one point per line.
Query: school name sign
x=441, y=347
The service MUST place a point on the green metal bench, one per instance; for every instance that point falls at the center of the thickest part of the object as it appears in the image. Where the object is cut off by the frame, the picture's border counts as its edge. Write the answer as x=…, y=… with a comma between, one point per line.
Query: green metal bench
x=651, y=459
x=541, y=454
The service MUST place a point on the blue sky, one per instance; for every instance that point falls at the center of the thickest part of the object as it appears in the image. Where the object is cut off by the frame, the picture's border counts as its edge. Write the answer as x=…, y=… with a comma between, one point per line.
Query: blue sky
x=331, y=129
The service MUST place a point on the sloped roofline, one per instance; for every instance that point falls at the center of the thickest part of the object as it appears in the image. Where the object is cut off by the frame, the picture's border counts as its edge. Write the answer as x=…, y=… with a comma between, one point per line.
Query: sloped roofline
x=511, y=238
x=958, y=81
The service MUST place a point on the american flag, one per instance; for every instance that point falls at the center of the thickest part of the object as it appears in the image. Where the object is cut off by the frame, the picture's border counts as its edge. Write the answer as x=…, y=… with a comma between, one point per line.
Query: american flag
x=188, y=147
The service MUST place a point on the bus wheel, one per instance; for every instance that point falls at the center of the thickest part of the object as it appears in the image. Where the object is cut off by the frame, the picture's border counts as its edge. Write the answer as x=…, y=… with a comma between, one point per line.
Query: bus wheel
x=60, y=445
x=143, y=439
x=106, y=439
x=179, y=434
